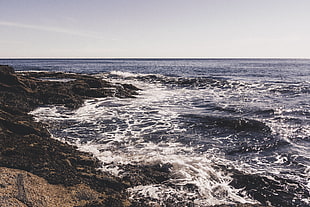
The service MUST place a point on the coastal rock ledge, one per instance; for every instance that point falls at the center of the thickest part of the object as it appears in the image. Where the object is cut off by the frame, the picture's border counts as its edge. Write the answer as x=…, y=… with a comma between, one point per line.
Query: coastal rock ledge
x=38, y=171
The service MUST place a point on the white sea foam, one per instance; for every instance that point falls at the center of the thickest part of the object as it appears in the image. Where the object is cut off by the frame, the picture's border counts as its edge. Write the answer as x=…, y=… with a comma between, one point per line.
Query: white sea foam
x=63, y=80
x=145, y=130
x=121, y=133
x=123, y=74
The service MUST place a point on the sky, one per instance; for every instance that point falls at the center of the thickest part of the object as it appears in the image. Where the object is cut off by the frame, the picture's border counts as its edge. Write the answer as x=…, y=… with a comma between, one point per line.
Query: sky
x=154, y=28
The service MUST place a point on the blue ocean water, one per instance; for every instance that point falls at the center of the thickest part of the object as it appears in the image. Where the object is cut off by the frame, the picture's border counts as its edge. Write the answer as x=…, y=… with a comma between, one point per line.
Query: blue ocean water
x=288, y=69
x=236, y=129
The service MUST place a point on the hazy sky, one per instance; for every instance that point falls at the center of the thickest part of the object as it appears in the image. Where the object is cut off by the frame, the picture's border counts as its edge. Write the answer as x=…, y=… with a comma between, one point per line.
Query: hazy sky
x=155, y=28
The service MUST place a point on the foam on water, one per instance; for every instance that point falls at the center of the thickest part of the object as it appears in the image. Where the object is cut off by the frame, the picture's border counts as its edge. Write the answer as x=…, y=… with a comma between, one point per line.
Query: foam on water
x=149, y=129
x=145, y=131
x=123, y=74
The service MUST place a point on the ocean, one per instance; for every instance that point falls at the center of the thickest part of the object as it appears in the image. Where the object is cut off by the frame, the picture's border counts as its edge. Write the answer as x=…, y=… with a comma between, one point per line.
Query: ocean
x=232, y=130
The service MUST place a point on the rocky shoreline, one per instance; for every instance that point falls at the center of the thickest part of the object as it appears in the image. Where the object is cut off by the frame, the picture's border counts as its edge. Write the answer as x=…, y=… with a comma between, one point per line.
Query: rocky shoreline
x=36, y=170
x=26, y=145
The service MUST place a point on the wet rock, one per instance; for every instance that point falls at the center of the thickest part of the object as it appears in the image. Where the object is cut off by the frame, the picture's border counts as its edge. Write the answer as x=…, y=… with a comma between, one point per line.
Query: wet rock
x=27, y=90
x=278, y=192
x=146, y=174
x=232, y=123
x=26, y=144
x=7, y=76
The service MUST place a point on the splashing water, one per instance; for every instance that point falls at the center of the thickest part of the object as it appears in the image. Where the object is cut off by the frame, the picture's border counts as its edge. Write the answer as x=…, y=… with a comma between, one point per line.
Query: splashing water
x=206, y=121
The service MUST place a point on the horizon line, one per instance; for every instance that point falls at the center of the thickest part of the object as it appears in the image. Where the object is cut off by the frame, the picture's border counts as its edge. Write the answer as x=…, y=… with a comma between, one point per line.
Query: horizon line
x=154, y=57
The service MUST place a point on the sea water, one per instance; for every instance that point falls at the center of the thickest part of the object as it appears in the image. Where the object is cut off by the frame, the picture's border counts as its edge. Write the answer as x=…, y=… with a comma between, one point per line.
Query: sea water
x=217, y=122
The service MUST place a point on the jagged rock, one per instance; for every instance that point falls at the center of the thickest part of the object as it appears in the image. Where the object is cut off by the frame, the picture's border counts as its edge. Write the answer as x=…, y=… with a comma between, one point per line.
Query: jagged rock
x=263, y=189
x=7, y=76
x=26, y=144
x=27, y=90
x=21, y=188
x=146, y=174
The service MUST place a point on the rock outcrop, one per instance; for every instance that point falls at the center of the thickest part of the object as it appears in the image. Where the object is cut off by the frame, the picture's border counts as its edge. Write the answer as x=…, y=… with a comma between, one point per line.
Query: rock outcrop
x=21, y=188
x=26, y=145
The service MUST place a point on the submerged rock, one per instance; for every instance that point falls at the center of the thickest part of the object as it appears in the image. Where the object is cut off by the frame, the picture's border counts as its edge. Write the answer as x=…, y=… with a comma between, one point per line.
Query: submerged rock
x=146, y=174
x=278, y=192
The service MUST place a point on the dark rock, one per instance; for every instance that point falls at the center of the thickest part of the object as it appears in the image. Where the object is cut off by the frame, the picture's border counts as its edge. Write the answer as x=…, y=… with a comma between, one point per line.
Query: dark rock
x=238, y=124
x=26, y=144
x=130, y=87
x=278, y=192
x=6, y=70
x=7, y=75
x=146, y=174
